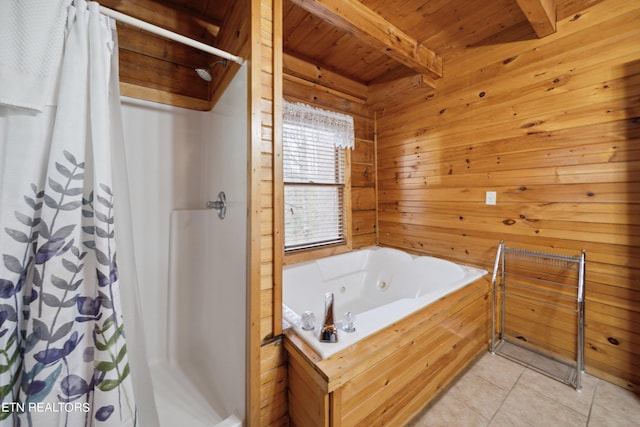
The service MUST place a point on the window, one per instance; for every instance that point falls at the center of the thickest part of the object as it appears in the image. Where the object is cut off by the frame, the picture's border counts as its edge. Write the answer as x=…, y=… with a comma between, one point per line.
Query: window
x=314, y=158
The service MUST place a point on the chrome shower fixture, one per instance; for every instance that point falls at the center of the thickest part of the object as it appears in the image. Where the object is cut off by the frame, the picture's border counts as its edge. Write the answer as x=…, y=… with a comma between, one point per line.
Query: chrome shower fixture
x=220, y=205
x=204, y=72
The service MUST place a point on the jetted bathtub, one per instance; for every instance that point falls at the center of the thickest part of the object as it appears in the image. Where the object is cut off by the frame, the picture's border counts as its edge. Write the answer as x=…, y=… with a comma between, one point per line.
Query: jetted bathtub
x=378, y=285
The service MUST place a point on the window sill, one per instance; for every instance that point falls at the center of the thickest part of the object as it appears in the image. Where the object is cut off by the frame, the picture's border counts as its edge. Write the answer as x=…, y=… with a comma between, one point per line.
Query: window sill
x=315, y=253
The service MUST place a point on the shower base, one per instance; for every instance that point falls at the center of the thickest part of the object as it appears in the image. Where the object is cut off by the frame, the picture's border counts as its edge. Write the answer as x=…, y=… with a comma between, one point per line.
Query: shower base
x=179, y=402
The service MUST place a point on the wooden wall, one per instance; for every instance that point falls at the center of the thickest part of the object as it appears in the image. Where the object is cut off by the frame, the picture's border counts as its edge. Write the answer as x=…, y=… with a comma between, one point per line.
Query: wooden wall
x=267, y=401
x=272, y=398
x=299, y=84
x=266, y=371
x=553, y=126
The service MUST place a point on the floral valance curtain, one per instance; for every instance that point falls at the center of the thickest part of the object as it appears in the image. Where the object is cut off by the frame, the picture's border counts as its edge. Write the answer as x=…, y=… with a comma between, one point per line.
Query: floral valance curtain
x=334, y=128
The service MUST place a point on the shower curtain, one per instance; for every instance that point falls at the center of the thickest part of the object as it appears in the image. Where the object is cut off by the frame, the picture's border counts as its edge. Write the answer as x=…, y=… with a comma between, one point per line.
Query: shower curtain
x=63, y=355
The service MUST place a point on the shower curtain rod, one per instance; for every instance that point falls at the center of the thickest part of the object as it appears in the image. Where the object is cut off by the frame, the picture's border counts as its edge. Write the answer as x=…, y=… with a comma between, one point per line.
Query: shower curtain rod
x=169, y=34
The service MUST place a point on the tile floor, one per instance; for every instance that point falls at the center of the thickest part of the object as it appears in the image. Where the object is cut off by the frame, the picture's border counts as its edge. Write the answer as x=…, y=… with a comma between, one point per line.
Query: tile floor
x=498, y=392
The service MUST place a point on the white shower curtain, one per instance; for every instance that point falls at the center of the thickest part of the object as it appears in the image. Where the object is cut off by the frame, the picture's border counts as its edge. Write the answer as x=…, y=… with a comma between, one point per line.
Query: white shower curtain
x=63, y=356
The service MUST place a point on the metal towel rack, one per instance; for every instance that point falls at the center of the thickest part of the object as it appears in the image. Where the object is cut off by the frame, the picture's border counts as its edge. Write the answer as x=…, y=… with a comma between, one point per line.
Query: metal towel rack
x=531, y=288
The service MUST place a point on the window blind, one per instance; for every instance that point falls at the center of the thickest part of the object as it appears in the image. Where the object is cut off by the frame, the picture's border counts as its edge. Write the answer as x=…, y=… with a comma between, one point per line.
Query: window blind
x=314, y=184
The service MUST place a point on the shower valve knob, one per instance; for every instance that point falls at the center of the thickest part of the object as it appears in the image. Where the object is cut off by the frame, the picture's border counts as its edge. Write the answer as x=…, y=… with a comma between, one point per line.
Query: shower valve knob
x=220, y=205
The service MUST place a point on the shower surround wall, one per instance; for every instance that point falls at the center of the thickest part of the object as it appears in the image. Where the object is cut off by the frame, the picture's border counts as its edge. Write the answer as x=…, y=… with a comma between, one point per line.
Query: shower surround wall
x=178, y=159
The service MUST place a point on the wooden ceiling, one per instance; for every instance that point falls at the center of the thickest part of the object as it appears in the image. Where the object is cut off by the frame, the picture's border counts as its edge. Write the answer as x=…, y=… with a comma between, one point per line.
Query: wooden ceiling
x=349, y=44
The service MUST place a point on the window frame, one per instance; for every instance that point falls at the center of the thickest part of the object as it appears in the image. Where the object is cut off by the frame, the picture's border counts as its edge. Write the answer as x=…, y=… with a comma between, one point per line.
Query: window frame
x=304, y=254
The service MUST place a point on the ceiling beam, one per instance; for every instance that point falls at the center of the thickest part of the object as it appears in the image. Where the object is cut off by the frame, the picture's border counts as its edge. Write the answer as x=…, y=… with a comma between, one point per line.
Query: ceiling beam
x=362, y=22
x=541, y=15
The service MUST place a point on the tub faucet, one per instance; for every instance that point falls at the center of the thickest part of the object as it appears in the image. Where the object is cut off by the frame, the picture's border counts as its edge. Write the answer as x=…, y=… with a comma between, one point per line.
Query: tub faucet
x=328, y=333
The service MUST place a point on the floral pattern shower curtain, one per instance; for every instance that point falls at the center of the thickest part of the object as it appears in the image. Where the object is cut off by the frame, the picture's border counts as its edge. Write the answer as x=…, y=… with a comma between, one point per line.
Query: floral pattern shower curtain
x=63, y=355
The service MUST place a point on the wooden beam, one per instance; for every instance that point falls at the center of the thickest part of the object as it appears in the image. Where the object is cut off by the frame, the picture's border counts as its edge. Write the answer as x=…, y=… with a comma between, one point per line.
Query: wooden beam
x=541, y=15
x=362, y=22
x=316, y=75
x=325, y=89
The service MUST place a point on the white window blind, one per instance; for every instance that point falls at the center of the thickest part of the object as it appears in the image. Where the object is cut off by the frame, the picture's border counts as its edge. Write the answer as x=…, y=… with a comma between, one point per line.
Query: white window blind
x=314, y=175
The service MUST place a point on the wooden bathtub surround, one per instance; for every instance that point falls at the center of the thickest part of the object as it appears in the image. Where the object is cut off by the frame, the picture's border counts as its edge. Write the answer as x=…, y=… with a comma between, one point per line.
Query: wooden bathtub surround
x=388, y=377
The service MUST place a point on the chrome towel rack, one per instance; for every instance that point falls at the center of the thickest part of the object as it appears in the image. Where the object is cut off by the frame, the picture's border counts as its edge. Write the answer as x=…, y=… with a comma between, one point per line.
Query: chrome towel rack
x=530, y=288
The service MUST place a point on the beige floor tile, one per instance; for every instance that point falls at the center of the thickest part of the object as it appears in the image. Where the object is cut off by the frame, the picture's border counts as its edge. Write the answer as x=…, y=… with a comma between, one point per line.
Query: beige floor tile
x=508, y=419
x=614, y=406
x=479, y=394
x=450, y=412
x=525, y=406
x=579, y=401
x=501, y=393
x=497, y=370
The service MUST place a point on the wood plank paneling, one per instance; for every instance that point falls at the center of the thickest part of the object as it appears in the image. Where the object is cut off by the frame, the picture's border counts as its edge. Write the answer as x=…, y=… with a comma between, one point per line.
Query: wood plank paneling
x=541, y=14
x=256, y=301
x=372, y=29
x=389, y=376
x=168, y=77
x=156, y=69
x=552, y=125
x=314, y=74
x=267, y=403
x=233, y=38
x=273, y=386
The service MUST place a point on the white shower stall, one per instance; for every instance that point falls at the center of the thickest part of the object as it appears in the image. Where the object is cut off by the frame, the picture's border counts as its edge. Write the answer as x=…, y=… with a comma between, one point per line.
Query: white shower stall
x=190, y=264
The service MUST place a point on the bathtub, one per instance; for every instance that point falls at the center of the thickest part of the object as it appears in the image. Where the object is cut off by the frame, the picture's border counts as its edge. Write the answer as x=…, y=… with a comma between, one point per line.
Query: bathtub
x=379, y=285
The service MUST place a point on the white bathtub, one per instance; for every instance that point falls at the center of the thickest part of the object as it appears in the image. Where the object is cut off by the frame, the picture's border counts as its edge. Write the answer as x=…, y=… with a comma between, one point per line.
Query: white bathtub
x=379, y=285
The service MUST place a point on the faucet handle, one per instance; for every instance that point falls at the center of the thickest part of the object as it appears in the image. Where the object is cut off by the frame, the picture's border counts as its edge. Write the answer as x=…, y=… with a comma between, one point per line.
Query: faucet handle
x=308, y=320
x=349, y=324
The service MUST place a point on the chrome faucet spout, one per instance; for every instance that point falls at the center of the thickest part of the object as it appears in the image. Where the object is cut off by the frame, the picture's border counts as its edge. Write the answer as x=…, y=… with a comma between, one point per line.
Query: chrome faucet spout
x=329, y=332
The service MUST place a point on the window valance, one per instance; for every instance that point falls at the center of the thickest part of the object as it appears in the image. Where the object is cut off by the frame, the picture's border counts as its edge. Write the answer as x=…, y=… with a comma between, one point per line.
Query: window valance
x=329, y=126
